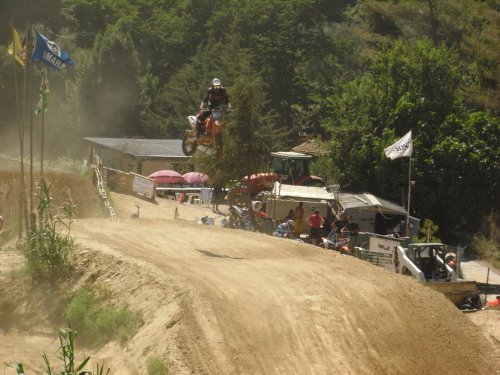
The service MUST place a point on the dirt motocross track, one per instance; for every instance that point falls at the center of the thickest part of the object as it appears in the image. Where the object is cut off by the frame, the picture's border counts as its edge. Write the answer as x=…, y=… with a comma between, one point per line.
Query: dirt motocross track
x=222, y=301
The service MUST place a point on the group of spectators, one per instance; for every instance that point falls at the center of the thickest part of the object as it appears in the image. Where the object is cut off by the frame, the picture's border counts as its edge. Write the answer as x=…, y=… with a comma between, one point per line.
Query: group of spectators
x=320, y=226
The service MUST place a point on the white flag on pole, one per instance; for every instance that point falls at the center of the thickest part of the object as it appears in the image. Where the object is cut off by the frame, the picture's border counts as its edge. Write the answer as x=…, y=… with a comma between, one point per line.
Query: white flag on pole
x=403, y=147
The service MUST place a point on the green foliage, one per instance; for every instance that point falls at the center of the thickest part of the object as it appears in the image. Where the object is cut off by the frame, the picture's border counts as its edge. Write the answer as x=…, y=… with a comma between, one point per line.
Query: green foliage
x=97, y=322
x=156, y=366
x=427, y=231
x=67, y=357
x=48, y=251
x=465, y=164
x=245, y=141
x=413, y=86
x=322, y=166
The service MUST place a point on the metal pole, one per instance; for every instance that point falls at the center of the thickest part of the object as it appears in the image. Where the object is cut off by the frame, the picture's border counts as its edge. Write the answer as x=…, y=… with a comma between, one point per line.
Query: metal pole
x=409, y=195
x=486, y=290
x=31, y=134
x=42, y=93
x=20, y=125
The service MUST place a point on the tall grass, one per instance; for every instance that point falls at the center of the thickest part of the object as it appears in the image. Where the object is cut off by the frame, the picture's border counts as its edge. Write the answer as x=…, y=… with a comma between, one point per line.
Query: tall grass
x=67, y=354
x=48, y=251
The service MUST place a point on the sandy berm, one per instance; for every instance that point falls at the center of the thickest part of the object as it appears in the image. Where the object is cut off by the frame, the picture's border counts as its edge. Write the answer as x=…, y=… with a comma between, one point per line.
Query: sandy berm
x=224, y=301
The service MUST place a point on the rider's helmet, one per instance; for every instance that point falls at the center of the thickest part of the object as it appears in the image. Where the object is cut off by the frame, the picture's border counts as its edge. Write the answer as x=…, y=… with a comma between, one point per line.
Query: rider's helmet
x=216, y=83
x=291, y=224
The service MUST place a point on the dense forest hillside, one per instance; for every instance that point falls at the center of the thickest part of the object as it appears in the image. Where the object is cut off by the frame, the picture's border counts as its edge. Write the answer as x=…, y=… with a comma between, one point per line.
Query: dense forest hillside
x=356, y=74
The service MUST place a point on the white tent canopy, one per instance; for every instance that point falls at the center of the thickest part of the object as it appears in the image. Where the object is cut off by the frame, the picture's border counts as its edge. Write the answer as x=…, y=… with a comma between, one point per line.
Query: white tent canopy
x=302, y=192
x=361, y=201
x=368, y=202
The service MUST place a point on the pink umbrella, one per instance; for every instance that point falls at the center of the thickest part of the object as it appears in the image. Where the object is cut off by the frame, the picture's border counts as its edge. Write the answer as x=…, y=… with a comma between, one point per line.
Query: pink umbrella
x=166, y=176
x=196, y=178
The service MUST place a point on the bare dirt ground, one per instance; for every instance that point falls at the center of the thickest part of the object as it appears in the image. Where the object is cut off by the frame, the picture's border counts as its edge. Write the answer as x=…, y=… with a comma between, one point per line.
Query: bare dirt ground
x=222, y=301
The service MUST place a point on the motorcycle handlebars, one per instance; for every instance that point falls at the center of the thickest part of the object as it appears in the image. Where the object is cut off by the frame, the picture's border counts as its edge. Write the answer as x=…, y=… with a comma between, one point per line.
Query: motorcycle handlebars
x=220, y=108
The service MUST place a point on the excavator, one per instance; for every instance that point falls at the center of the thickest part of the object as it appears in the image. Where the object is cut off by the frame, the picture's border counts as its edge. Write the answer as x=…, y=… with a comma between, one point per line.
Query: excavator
x=432, y=266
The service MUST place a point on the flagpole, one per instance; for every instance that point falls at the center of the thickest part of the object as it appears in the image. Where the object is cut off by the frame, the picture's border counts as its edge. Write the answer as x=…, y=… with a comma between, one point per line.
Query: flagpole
x=31, y=130
x=23, y=128
x=31, y=142
x=44, y=82
x=409, y=196
x=21, y=136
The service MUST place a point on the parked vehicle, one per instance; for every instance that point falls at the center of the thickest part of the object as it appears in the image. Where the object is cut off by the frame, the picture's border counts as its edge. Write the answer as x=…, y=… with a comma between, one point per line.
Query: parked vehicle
x=290, y=168
x=293, y=168
x=432, y=266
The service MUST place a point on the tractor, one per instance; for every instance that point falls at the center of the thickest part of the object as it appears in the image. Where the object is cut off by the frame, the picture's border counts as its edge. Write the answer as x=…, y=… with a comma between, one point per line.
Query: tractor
x=287, y=167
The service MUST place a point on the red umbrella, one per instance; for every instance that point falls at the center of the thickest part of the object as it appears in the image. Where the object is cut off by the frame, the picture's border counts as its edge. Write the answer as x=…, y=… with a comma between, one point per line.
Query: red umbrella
x=196, y=178
x=166, y=176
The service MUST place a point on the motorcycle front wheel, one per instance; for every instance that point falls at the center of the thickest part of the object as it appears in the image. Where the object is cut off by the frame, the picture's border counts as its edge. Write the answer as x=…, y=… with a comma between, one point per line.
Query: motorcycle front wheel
x=189, y=143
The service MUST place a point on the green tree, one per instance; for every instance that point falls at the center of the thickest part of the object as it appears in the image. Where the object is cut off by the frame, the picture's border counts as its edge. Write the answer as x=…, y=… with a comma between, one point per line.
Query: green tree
x=246, y=142
x=88, y=19
x=408, y=86
x=466, y=170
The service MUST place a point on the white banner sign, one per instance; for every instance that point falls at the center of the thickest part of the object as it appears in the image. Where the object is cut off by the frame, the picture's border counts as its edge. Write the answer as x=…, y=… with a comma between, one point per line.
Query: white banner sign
x=382, y=245
x=143, y=185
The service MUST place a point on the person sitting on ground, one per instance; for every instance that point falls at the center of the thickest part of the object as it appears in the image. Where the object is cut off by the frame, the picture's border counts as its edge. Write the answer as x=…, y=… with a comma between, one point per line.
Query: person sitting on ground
x=216, y=96
x=315, y=221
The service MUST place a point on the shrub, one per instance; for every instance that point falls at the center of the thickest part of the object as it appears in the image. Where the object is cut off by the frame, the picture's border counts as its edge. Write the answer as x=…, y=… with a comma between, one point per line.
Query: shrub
x=96, y=321
x=156, y=366
x=48, y=251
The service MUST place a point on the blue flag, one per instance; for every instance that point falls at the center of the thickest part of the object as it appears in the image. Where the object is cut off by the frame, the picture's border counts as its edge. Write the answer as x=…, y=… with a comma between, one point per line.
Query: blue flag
x=49, y=52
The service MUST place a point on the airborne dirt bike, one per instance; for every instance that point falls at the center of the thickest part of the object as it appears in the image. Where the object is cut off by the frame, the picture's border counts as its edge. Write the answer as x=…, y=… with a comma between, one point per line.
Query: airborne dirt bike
x=212, y=137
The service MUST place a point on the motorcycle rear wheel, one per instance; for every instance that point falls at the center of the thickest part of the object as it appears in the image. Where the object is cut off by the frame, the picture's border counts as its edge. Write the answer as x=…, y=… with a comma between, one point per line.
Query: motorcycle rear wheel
x=189, y=143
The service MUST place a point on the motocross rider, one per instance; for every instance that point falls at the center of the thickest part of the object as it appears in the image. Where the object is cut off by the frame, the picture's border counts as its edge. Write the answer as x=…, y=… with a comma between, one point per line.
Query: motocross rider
x=215, y=96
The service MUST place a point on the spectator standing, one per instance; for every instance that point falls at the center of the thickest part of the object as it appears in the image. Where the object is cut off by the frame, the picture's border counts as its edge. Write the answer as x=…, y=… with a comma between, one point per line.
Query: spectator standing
x=217, y=197
x=316, y=222
x=299, y=219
